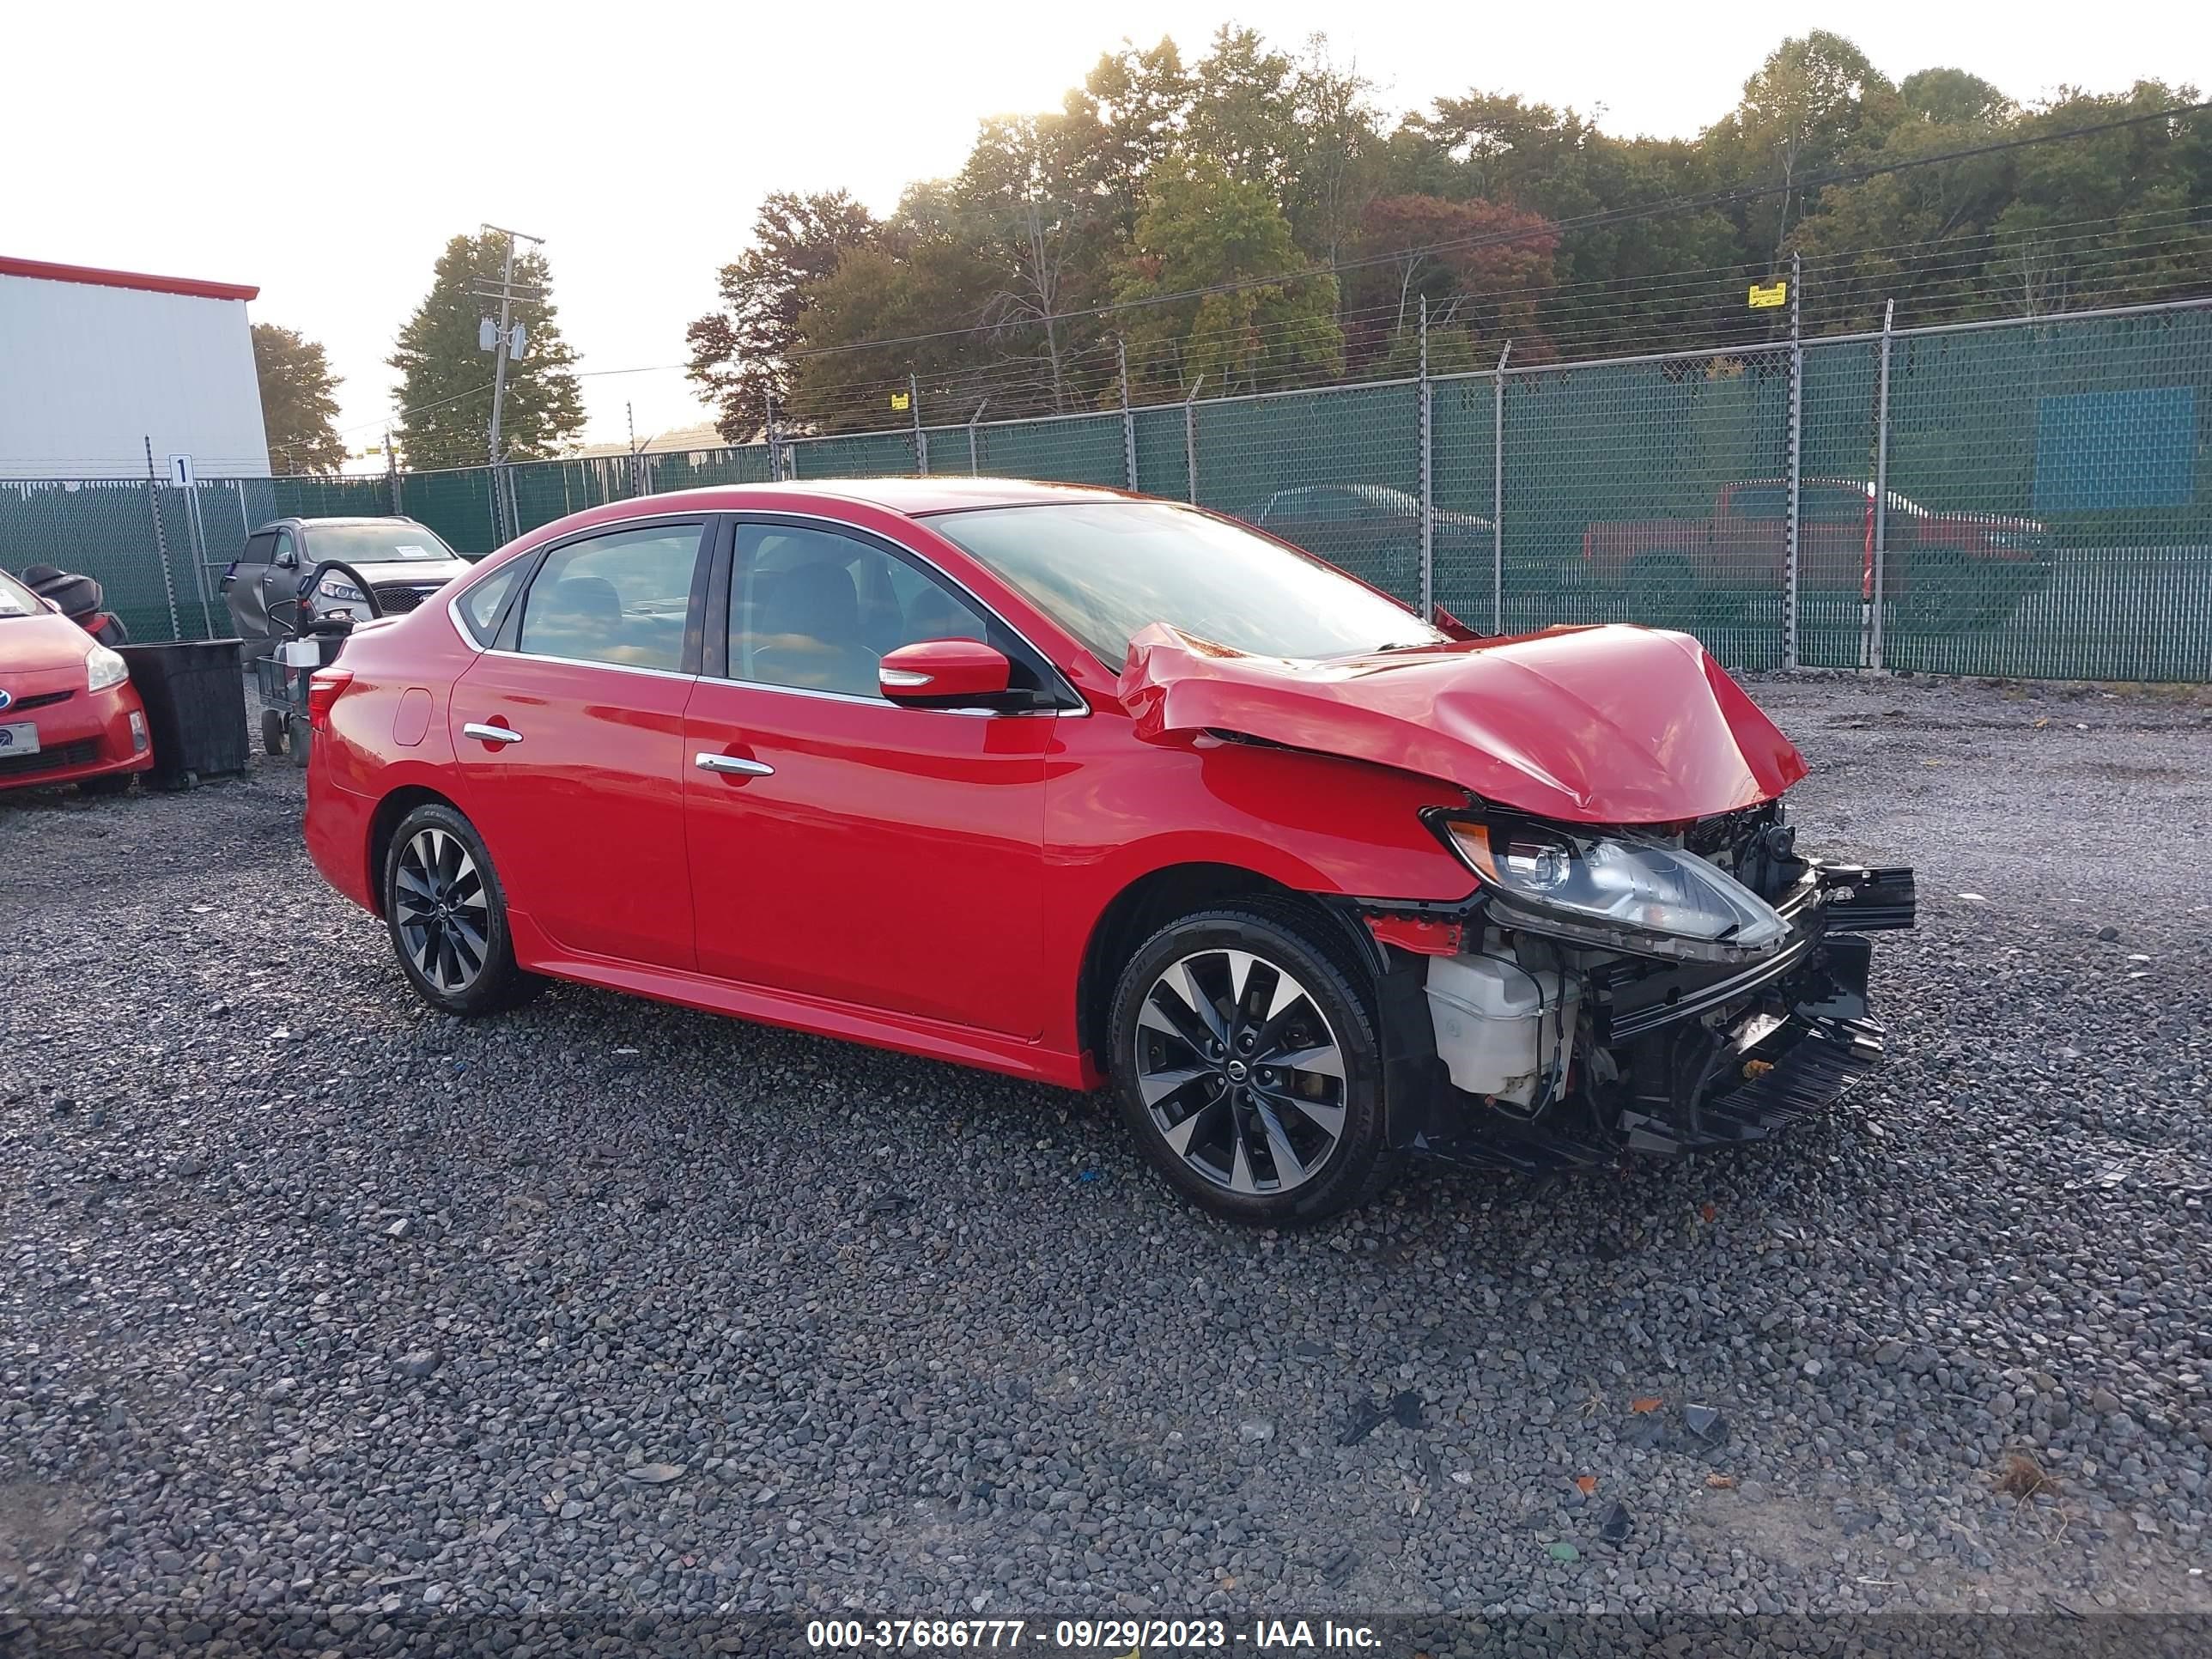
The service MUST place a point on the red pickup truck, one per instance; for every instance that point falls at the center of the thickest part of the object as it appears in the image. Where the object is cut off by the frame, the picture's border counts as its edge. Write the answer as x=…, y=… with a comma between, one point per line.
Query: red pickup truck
x=1946, y=570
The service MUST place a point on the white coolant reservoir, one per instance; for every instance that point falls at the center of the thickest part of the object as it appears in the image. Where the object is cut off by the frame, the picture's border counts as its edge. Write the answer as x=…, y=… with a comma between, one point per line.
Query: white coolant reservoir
x=1500, y=1027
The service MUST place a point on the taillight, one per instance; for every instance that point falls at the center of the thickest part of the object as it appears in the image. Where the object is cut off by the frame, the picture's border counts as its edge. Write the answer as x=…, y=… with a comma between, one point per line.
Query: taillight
x=325, y=686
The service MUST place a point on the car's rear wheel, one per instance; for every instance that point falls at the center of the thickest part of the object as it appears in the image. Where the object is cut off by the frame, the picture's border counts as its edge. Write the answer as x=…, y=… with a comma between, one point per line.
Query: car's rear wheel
x=1247, y=1064
x=447, y=917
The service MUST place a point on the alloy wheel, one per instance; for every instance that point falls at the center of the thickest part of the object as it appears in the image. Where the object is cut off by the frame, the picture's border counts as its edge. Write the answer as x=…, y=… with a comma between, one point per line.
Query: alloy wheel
x=444, y=915
x=1240, y=1072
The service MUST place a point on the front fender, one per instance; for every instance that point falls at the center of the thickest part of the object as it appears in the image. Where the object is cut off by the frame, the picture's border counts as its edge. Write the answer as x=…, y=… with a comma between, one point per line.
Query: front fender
x=1118, y=811
x=1317, y=824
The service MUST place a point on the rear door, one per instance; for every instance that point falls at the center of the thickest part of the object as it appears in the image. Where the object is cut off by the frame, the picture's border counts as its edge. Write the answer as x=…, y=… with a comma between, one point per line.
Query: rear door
x=570, y=730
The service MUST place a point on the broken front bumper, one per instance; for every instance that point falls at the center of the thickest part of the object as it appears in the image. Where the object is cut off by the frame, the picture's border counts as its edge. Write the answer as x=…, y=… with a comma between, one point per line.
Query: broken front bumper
x=1671, y=1057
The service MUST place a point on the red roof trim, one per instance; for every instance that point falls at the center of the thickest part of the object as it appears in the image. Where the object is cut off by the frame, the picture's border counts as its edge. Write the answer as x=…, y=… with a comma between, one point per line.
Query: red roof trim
x=45, y=270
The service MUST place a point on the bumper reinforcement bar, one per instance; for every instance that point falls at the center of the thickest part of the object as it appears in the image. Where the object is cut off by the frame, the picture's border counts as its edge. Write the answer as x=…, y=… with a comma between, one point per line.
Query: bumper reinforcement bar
x=1827, y=1059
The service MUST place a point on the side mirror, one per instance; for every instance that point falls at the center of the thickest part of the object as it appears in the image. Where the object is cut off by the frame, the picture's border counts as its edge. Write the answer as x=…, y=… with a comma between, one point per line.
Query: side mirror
x=288, y=559
x=943, y=673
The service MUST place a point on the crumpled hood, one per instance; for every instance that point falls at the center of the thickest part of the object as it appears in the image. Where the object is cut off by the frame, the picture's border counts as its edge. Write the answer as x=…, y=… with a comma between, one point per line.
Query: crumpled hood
x=1606, y=725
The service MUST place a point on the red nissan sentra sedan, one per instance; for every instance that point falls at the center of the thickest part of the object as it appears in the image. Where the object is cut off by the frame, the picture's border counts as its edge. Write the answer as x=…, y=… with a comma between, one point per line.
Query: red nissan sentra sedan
x=68, y=711
x=1094, y=789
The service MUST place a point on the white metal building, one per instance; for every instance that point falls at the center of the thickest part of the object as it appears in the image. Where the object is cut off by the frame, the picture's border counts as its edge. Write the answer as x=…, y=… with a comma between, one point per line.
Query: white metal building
x=95, y=364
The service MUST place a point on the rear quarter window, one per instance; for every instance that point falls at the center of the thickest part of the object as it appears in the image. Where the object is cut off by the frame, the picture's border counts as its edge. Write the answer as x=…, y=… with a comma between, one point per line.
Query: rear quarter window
x=482, y=604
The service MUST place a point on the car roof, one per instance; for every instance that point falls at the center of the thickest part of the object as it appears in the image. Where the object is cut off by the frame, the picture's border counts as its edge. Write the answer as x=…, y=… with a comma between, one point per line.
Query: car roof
x=308, y=523
x=915, y=497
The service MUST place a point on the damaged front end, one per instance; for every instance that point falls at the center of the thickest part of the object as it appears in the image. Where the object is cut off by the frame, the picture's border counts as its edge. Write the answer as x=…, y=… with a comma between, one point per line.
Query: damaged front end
x=1654, y=989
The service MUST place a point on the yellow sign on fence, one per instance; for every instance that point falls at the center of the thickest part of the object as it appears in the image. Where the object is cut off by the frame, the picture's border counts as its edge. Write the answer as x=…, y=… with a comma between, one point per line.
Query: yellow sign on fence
x=899, y=400
x=1768, y=294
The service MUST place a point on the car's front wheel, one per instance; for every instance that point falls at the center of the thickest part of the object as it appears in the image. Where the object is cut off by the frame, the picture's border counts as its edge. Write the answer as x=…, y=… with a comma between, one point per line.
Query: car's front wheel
x=447, y=917
x=1248, y=1067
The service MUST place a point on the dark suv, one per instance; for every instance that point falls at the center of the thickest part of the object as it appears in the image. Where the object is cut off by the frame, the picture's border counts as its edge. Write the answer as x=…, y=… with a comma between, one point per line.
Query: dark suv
x=389, y=565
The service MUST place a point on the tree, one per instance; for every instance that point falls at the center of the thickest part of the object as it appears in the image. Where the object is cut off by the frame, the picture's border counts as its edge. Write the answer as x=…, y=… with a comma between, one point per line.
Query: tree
x=1031, y=232
x=1814, y=101
x=1951, y=97
x=1334, y=166
x=741, y=354
x=1197, y=207
x=1240, y=114
x=445, y=376
x=1121, y=125
x=896, y=306
x=2114, y=217
x=1499, y=149
x=1484, y=268
x=1215, y=242
x=299, y=401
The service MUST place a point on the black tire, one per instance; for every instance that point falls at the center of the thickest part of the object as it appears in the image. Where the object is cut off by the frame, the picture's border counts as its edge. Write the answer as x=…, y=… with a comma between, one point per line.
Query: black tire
x=1939, y=598
x=113, y=783
x=459, y=932
x=301, y=737
x=272, y=733
x=1255, y=1142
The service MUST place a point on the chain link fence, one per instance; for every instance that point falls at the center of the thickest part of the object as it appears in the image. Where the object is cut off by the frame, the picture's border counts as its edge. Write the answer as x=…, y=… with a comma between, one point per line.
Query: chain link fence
x=2028, y=498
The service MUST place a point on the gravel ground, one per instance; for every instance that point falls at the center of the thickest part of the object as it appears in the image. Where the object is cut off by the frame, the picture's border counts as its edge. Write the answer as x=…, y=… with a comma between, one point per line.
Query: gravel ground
x=316, y=1301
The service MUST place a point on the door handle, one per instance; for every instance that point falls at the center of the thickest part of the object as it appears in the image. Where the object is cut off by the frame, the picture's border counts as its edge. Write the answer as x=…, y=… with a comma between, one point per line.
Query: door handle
x=737, y=764
x=491, y=733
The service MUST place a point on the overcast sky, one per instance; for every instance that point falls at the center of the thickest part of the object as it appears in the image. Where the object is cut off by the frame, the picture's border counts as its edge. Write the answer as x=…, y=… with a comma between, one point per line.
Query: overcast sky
x=327, y=151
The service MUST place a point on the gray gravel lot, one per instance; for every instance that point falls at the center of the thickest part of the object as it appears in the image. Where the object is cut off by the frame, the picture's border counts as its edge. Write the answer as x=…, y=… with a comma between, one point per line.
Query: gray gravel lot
x=315, y=1300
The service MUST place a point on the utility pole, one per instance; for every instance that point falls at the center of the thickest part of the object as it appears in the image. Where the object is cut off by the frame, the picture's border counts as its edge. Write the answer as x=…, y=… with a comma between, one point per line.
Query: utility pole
x=506, y=342
x=1128, y=420
x=921, y=438
x=972, y=419
x=1790, y=584
x=1428, y=476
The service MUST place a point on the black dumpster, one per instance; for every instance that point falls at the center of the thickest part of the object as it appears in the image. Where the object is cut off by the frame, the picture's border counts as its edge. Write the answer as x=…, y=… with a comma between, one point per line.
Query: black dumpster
x=195, y=700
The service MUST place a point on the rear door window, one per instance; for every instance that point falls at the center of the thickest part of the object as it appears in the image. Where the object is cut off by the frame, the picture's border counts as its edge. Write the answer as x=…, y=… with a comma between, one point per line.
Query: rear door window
x=622, y=598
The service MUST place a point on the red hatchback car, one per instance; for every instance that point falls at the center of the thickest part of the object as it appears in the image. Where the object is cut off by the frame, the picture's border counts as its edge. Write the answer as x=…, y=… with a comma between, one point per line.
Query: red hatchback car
x=68, y=711
x=1095, y=789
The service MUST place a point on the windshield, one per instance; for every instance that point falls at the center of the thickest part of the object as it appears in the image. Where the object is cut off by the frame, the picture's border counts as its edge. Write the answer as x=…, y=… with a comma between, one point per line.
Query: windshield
x=1105, y=570
x=15, y=599
x=374, y=543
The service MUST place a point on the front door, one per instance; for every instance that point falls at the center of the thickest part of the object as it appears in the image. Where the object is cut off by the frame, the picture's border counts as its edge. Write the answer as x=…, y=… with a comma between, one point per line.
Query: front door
x=842, y=847
x=276, y=587
x=570, y=735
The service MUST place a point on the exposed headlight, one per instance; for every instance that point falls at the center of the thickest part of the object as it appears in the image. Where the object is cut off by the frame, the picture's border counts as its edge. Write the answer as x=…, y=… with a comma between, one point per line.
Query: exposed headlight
x=104, y=668
x=1630, y=895
x=337, y=587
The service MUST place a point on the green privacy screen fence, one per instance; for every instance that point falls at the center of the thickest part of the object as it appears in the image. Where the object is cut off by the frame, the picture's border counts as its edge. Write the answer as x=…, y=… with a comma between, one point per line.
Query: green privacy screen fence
x=2027, y=498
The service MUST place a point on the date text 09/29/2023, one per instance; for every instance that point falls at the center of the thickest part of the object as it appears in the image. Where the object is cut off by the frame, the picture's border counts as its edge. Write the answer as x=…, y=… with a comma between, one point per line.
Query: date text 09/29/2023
x=1116, y=1636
